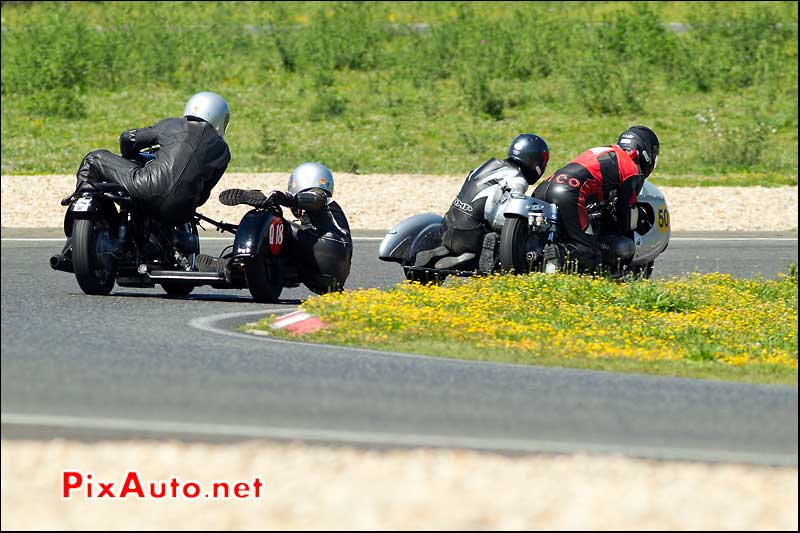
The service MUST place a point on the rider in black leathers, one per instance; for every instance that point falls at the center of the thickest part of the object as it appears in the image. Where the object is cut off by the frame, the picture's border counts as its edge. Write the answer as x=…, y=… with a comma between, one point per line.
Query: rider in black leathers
x=190, y=159
x=469, y=223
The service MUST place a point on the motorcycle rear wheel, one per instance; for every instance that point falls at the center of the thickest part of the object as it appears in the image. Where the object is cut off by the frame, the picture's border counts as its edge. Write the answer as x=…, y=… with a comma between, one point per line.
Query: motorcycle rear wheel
x=513, y=246
x=95, y=273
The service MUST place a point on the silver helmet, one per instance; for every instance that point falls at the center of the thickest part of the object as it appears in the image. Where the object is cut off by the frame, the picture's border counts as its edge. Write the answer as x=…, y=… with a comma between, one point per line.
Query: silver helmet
x=311, y=175
x=210, y=107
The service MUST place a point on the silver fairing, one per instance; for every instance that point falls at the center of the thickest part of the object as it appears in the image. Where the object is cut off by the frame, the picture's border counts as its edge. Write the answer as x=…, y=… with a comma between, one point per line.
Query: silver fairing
x=523, y=206
x=424, y=231
x=655, y=241
x=401, y=242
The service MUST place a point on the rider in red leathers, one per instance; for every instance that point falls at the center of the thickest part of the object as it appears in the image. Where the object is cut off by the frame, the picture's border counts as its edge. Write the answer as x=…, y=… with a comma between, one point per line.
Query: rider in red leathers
x=599, y=175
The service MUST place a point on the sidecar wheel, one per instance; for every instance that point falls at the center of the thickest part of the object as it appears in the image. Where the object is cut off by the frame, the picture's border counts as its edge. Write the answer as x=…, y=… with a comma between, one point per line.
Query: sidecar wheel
x=96, y=273
x=513, y=246
x=264, y=277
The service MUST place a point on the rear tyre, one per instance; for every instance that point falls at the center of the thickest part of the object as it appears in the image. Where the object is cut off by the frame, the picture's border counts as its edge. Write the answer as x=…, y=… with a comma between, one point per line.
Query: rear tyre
x=513, y=246
x=96, y=273
x=264, y=277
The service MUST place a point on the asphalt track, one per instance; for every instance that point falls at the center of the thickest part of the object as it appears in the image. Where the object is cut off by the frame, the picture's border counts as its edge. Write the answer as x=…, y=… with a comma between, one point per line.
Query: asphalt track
x=143, y=364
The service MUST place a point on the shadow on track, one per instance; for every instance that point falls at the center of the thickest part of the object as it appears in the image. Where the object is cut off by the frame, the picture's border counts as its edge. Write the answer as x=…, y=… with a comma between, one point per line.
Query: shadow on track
x=205, y=298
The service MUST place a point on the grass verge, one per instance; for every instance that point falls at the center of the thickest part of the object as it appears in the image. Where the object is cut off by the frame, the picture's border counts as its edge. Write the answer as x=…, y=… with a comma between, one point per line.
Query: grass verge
x=410, y=87
x=709, y=326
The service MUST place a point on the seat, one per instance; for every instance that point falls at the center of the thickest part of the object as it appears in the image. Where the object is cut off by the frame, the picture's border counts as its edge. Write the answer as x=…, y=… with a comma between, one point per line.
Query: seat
x=106, y=186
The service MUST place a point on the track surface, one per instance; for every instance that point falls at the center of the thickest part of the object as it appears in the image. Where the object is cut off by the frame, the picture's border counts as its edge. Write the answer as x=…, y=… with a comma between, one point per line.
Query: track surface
x=131, y=365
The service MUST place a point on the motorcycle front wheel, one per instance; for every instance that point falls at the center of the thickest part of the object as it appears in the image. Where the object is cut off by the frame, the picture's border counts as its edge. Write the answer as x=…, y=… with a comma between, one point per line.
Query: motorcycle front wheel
x=513, y=246
x=96, y=273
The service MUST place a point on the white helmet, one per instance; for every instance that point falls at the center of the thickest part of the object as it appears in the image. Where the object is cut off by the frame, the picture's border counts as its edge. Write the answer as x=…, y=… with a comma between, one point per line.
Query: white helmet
x=210, y=107
x=311, y=175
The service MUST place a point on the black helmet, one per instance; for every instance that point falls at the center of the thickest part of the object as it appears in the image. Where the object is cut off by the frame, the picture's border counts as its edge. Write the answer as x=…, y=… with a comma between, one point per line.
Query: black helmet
x=531, y=153
x=643, y=144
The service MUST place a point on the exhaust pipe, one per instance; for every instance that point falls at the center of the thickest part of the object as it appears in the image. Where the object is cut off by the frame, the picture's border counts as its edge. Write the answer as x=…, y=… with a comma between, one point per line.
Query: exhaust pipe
x=59, y=262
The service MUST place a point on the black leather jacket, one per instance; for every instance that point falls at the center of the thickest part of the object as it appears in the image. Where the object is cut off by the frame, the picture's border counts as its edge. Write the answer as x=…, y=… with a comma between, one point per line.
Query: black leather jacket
x=189, y=162
x=320, y=214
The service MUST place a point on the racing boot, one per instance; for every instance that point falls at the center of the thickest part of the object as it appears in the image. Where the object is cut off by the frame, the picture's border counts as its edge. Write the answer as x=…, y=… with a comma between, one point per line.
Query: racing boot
x=425, y=257
x=554, y=257
x=454, y=261
x=254, y=198
x=486, y=262
x=207, y=263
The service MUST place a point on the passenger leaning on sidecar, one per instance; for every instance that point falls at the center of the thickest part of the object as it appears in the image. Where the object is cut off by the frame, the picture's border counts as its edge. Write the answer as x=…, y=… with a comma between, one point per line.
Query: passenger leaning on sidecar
x=321, y=247
x=471, y=219
x=597, y=176
x=190, y=160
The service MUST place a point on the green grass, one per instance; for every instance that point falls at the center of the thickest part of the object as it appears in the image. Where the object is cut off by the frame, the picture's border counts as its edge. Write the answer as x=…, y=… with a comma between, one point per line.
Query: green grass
x=333, y=82
x=702, y=326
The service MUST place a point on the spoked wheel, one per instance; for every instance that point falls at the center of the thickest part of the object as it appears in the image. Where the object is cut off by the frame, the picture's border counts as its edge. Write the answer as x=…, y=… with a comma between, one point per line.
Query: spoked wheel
x=514, y=246
x=96, y=272
x=264, y=277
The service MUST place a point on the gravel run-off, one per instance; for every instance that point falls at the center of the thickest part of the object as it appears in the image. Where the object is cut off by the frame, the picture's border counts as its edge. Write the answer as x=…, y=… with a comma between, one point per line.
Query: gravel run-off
x=318, y=487
x=378, y=201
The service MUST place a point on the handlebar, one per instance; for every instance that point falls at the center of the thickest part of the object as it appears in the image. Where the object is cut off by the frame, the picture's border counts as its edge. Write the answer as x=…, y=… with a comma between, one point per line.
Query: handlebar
x=221, y=226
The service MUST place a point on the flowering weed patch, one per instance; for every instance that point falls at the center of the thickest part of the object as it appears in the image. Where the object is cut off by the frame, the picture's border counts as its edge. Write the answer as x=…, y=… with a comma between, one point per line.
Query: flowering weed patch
x=711, y=325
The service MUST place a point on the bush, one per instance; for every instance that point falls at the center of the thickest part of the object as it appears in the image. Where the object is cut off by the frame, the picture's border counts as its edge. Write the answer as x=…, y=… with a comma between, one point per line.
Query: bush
x=736, y=144
x=754, y=45
x=327, y=105
x=389, y=75
x=604, y=91
x=45, y=56
x=270, y=142
x=63, y=102
x=479, y=95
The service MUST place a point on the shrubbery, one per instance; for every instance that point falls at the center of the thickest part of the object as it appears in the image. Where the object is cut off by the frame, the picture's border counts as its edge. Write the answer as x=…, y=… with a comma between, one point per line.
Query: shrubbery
x=57, y=45
x=489, y=57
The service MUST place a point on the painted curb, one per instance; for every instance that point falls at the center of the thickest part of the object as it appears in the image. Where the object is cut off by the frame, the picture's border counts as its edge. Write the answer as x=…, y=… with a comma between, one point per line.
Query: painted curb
x=298, y=323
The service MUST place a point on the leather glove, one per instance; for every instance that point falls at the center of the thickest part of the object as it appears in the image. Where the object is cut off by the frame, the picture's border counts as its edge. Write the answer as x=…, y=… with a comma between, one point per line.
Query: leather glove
x=279, y=198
